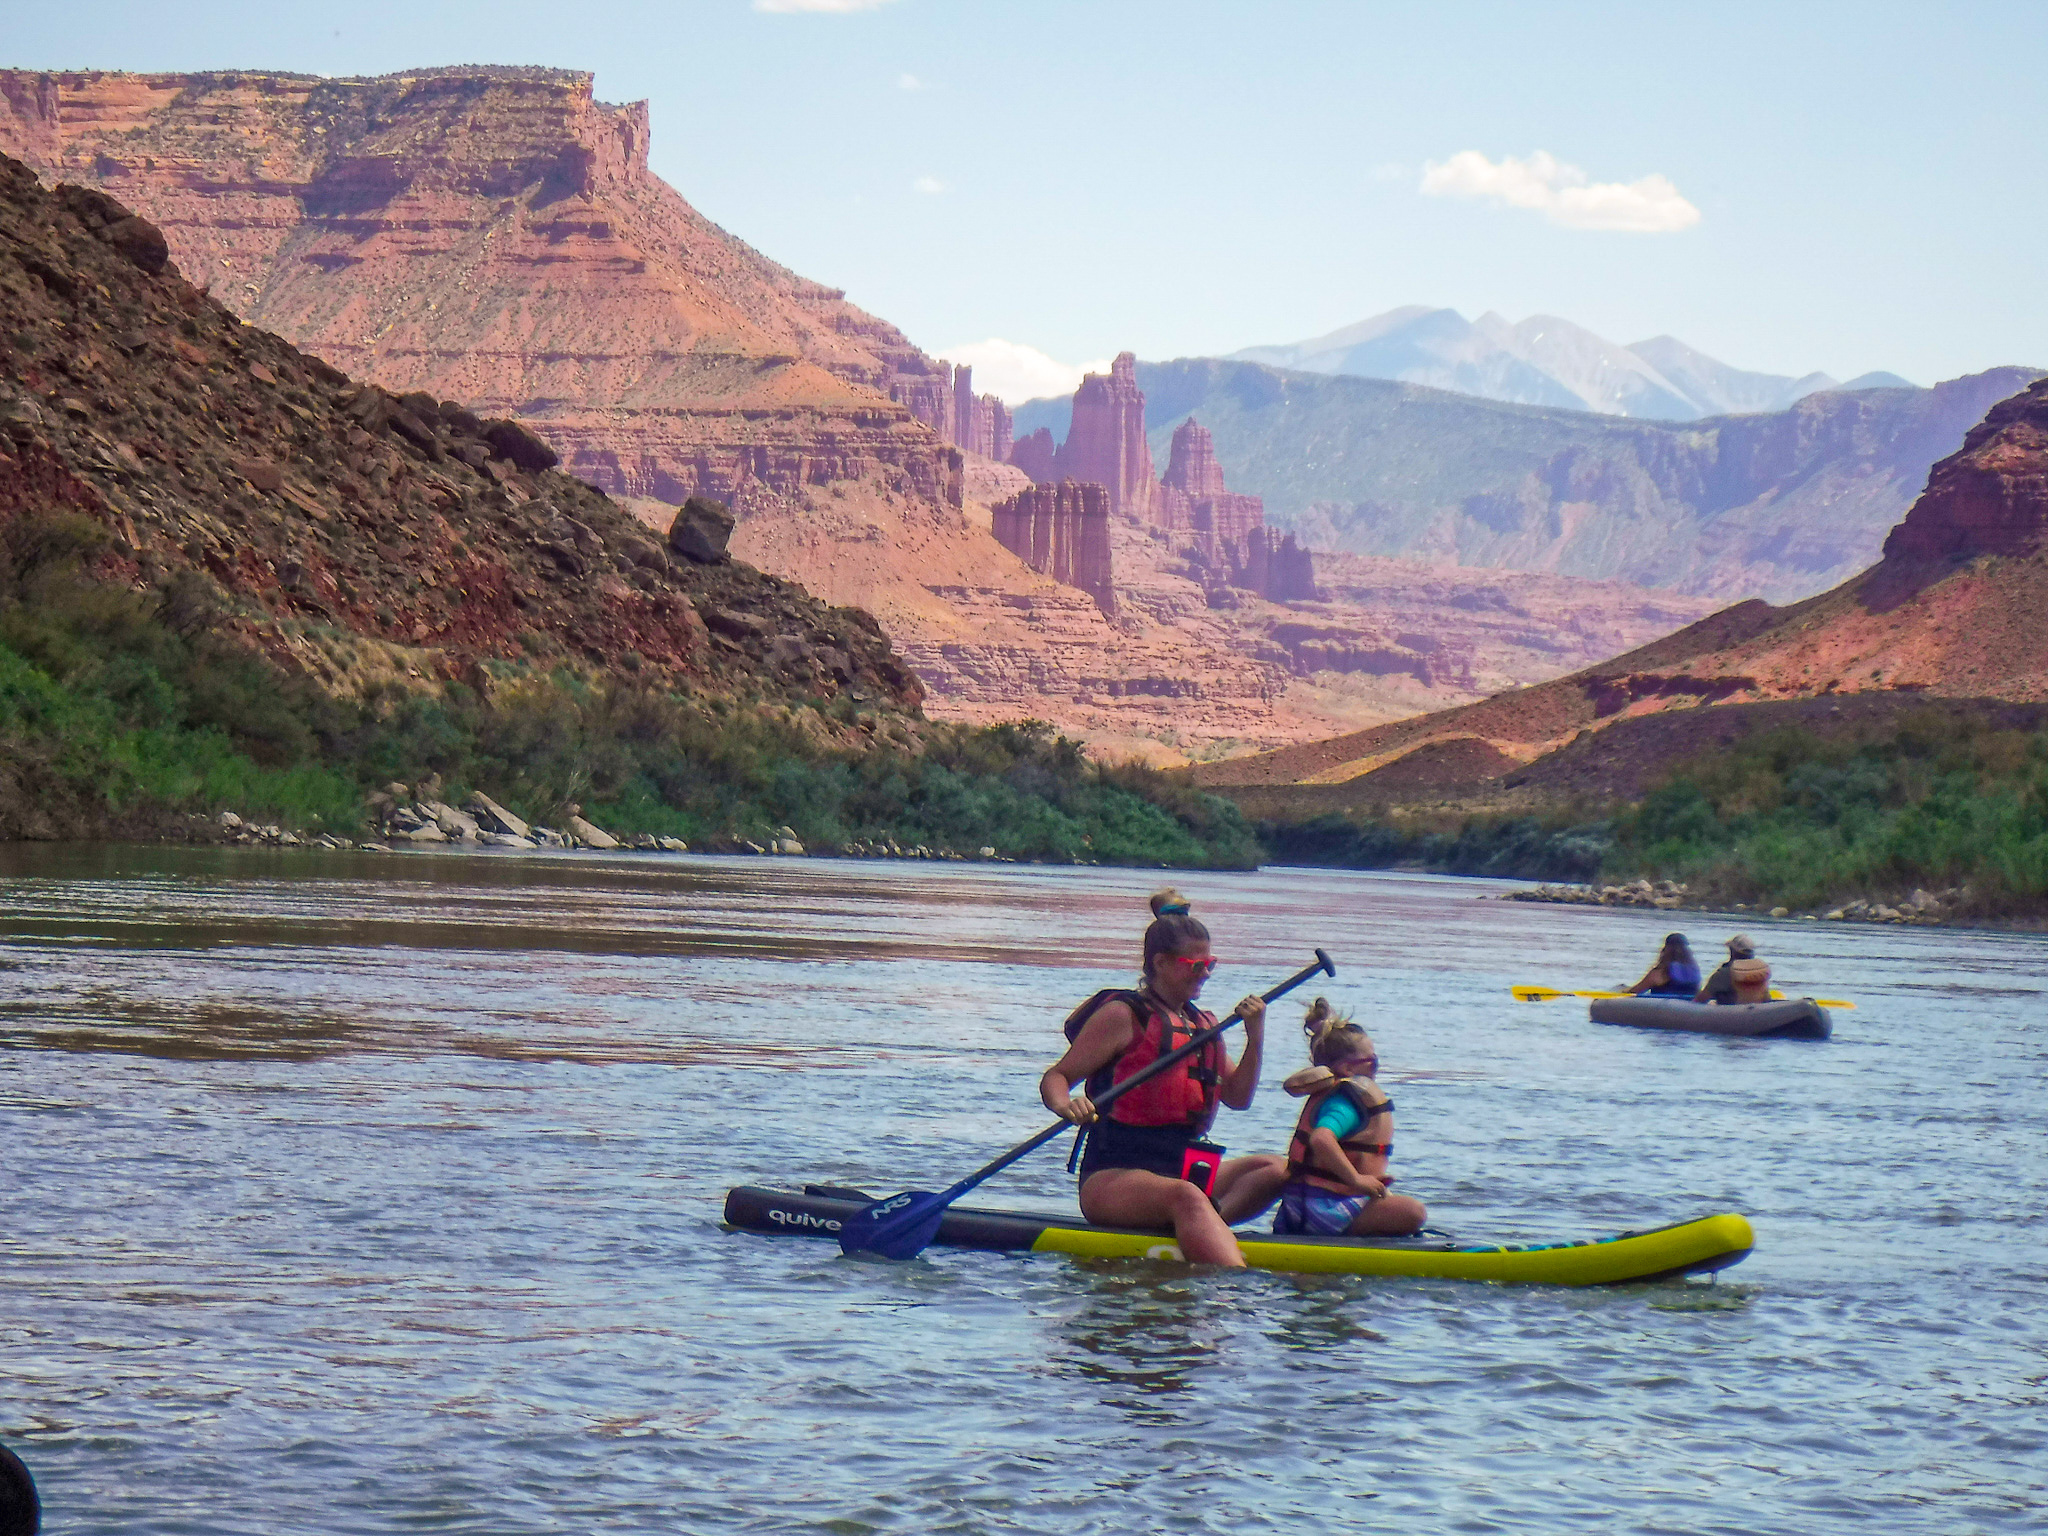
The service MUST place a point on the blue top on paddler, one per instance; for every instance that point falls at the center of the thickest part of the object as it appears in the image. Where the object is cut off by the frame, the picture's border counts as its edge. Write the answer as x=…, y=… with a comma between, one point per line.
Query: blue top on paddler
x=1148, y=1162
x=1675, y=973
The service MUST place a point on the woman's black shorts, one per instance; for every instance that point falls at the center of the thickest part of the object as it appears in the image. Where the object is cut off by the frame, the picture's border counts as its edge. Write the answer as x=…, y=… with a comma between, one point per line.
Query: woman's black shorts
x=1157, y=1149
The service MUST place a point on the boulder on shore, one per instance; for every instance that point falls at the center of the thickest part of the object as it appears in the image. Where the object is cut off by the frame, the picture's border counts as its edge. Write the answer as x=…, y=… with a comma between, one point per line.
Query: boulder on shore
x=494, y=817
x=701, y=531
x=590, y=835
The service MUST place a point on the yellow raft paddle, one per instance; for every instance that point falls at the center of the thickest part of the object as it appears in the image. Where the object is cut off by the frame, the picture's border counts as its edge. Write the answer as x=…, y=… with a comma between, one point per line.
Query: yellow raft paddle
x=1549, y=994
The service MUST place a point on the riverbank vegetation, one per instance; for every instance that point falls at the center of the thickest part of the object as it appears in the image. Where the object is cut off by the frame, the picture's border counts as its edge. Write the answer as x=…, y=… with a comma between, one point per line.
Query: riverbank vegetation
x=1786, y=817
x=1798, y=820
x=124, y=711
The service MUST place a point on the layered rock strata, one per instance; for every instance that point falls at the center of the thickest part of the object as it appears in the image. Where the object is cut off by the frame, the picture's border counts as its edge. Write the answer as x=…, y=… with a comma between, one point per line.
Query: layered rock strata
x=1062, y=530
x=1225, y=534
x=1106, y=442
x=943, y=398
x=1988, y=498
x=1036, y=455
x=1953, y=611
x=495, y=235
x=359, y=538
x=1782, y=505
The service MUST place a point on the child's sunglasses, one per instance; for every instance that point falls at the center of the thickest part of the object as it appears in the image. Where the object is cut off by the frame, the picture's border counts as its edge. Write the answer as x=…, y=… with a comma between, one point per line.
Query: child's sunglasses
x=1202, y=967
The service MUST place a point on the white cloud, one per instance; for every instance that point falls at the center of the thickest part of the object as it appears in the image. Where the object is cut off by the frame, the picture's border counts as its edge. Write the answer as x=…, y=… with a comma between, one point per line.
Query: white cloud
x=817, y=7
x=908, y=82
x=928, y=184
x=1014, y=373
x=1562, y=193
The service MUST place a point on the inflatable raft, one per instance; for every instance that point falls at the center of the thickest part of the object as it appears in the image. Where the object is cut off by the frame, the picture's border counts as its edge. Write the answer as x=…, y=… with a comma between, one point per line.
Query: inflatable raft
x=1687, y=1248
x=1791, y=1018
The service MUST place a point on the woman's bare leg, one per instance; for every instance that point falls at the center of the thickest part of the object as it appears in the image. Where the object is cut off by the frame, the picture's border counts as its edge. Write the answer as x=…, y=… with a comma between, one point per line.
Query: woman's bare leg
x=1390, y=1216
x=1245, y=1186
x=1131, y=1197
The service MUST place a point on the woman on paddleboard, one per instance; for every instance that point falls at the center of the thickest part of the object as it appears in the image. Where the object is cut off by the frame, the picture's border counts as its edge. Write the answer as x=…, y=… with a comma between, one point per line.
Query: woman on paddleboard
x=1145, y=1162
x=1337, y=1165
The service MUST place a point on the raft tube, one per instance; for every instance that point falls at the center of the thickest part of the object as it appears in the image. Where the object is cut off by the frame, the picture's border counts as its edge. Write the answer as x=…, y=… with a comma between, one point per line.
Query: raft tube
x=1791, y=1018
x=1686, y=1248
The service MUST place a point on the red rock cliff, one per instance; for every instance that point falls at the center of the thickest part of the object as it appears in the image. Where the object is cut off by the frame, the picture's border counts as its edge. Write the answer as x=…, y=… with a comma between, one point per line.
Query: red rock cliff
x=1062, y=530
x=1106, y=443
x=1191, y=467
x=495, y=235
x=1988, y=498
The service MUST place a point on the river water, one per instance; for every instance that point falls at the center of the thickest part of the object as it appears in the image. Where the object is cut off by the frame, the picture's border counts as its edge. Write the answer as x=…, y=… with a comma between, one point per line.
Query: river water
x=361, y=1194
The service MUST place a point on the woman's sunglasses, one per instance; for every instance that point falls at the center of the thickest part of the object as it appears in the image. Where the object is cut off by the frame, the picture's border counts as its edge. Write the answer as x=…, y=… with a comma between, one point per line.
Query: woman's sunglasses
x=1195, y=967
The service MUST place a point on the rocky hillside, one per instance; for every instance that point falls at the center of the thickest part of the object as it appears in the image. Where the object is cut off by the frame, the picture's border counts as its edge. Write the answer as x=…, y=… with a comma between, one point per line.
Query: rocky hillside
x=1953, y=611
x=354, y=535
x=494, y=235
x=234, y=580
x=1775, y=505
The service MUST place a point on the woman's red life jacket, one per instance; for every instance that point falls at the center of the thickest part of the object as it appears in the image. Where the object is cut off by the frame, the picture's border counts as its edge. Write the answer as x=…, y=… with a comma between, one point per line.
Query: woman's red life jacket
x=1300, y=1164
x=1185, y=1093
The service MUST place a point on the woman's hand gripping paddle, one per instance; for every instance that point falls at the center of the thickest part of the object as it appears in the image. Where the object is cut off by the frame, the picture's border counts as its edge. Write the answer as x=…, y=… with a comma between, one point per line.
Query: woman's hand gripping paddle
x=902, y=1226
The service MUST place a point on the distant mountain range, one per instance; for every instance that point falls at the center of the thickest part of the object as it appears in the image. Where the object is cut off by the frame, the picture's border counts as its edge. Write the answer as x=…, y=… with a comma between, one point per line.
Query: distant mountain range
x=1548, y=361
x=1952, y=611
x=1778, y=505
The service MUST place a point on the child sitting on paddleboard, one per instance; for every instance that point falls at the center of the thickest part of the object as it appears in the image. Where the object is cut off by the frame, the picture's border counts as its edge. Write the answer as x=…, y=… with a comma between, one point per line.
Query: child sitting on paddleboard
x=1337, y=1164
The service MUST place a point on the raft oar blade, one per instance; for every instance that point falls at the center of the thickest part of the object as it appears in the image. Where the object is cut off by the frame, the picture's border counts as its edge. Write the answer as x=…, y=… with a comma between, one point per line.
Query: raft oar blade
x=1536, y=994
x=902, y=1226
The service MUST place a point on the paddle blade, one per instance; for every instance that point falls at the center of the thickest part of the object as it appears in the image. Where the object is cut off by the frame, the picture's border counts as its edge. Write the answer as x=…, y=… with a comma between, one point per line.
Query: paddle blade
x=1536, y=994
x=900, y=1227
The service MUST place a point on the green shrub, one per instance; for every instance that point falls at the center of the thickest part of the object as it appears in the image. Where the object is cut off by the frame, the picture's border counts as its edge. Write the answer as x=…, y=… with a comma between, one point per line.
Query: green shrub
x=142, y=700
x=1794, y=818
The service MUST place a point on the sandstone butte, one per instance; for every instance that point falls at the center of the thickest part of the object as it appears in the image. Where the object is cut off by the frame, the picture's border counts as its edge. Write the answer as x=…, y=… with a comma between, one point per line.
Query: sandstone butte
x=359, y=539
x=494, y=235
x=1953, y=611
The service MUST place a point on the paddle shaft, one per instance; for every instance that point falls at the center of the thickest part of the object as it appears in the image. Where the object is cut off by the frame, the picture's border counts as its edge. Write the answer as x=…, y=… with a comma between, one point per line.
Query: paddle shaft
x=1322, y=967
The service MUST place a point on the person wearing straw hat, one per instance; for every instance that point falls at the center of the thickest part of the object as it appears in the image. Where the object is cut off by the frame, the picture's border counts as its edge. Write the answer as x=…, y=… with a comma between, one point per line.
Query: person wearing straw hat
x=1721, y=986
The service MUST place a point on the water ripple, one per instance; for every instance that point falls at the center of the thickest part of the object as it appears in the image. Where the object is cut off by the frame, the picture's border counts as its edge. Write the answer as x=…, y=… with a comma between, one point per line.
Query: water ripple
x=350, y=1194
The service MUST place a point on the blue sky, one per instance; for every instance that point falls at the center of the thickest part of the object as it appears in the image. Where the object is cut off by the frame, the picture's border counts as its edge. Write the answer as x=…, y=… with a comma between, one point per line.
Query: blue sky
x=1863, y=181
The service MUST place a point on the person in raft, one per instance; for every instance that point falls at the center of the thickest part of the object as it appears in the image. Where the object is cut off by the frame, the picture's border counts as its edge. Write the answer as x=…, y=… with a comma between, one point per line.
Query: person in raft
x=1145, y=1162
x=1720, y=987
x=1337, y=1164
x=1676, y=973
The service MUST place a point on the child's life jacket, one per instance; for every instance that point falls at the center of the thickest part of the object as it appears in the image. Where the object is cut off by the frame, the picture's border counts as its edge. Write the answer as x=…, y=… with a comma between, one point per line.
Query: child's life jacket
x=1185, y=1093
x=1319, y=1084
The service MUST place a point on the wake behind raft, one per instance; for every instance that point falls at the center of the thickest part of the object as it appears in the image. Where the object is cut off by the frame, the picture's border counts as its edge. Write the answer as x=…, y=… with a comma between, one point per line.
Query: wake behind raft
x=1662, y=1253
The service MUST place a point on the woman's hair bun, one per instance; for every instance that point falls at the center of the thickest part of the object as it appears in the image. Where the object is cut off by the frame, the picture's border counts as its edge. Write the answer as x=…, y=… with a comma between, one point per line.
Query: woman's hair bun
x=1169, y=903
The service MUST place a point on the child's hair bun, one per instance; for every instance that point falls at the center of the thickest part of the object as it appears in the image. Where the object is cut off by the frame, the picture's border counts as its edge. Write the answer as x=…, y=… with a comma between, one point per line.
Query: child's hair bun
x=1320, y=1014
x=1329, y=1032
x=1169, y=903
